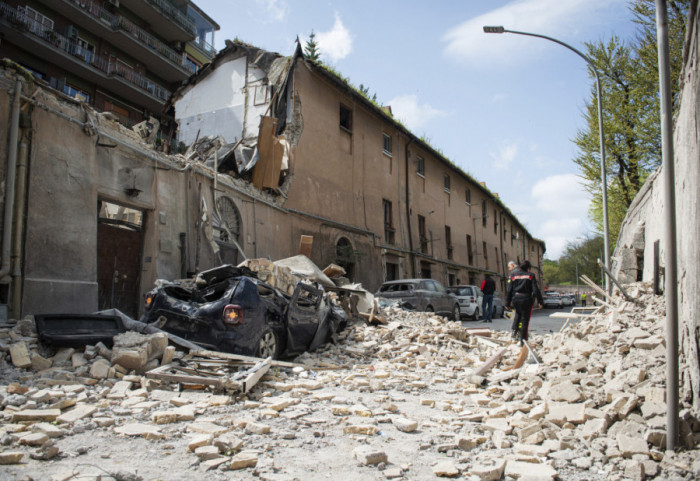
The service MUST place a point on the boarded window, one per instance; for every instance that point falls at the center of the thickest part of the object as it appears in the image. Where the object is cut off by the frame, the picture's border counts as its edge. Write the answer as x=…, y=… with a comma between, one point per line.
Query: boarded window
x=447, y=182
x=468, y=196
x=420, y=166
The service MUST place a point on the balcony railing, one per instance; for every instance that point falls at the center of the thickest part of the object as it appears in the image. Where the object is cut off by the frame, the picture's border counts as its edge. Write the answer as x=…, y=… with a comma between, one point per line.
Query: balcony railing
x=70, y=46
x=176, y=14
x=119, y=22
x=205, y=46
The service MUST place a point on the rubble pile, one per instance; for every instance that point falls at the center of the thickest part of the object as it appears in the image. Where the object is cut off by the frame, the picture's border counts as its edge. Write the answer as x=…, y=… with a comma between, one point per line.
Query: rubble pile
x=400, y=400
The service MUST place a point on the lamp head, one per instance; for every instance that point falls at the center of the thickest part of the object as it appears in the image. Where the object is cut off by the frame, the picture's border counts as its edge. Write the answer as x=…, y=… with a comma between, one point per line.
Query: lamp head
x=494, y=29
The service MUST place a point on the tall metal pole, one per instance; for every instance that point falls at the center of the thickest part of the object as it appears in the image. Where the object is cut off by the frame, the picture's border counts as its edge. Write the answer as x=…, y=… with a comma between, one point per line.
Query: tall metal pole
x=670, y=274
x=601, y=134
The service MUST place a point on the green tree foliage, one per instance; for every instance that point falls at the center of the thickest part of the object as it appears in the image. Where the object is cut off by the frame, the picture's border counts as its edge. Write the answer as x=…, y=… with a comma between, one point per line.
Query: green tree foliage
x=579, y=256
x=311, y=51
x=629, y=82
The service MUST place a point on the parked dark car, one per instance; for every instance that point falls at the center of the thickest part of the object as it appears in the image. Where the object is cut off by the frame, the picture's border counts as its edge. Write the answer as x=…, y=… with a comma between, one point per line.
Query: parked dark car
x=421, y=295
x=228, y=309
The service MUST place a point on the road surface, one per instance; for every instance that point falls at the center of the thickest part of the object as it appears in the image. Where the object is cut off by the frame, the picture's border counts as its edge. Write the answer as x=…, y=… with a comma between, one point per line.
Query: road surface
x=540, y=322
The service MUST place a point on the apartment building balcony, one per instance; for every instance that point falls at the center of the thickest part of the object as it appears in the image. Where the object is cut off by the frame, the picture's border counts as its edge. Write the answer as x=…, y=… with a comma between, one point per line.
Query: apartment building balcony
x=116, y=29
x=166, y=18
x=109, y=73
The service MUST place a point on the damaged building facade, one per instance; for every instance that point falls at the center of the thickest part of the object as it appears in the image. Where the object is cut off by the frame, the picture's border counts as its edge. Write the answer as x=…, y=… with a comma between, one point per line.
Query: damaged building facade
x=376, y=199
x=281, y=150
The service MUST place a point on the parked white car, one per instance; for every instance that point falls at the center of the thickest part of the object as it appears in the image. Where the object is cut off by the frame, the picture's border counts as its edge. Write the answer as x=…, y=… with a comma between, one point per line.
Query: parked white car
x=470, y=300
x=553, y=299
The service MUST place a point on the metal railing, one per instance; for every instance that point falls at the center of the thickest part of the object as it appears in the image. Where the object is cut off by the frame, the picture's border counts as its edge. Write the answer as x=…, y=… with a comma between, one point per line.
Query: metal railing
x=118, y=22
x=204, y=45
x=70, y=46
x=176, y=14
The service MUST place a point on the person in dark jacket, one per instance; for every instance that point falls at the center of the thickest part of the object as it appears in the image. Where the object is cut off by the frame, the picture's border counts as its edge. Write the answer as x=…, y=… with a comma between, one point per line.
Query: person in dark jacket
x=522, y=292
x=488, y=287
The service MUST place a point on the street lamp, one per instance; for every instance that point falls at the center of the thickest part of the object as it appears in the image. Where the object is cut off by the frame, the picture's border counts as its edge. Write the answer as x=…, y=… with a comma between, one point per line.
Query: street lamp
x=603, y=173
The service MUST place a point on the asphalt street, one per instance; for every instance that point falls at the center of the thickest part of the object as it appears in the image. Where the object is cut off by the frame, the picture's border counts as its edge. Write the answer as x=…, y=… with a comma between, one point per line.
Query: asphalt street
x=540, y=322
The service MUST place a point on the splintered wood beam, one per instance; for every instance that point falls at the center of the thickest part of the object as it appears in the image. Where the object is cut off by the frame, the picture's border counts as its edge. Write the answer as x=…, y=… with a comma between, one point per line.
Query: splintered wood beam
x=255, y=373
x=480, y=371
x=522, y=357
x=237, y=357
x=594, y=286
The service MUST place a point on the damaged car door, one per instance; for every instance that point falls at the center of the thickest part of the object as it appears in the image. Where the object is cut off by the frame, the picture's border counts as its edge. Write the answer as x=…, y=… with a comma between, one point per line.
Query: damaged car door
x=308, y=319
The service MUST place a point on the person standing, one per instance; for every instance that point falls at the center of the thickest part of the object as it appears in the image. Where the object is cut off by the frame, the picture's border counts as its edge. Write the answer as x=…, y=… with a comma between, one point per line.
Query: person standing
x=583, y=300
x=522, y=292
x=488, y=287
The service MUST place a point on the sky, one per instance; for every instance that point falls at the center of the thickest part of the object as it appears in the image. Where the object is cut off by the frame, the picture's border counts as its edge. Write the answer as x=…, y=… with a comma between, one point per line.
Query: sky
x=504, y=108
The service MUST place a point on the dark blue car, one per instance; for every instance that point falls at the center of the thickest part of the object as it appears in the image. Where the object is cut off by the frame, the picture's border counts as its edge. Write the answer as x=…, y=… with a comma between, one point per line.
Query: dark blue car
x=228, y=309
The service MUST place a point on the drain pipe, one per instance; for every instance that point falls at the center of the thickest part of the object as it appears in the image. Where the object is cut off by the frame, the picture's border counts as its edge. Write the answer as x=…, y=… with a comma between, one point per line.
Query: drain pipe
x=18, y=231
x=412, y=255
x=10, y=183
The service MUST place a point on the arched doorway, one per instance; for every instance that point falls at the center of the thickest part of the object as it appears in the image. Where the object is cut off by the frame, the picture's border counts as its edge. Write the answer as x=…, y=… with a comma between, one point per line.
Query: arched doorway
x=227, y=229
x=345, y=256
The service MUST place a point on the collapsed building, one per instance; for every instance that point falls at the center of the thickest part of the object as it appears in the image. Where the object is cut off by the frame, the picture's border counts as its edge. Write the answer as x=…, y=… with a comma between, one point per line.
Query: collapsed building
x=279, y=156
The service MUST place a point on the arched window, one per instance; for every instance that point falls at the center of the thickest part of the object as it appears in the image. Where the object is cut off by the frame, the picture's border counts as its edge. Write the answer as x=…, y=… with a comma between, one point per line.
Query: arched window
x=345, y=256
x=227, y=229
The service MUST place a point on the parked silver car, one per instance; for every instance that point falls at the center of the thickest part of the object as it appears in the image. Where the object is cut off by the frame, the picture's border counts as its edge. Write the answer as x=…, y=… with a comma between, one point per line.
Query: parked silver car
x=470, y=300
x=422, y=295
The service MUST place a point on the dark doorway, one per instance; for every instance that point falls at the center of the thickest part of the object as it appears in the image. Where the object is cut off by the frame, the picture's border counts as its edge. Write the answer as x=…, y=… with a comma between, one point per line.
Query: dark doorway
x=392, y=271
x=425, y=270
x=119, y=247
x=345, y=256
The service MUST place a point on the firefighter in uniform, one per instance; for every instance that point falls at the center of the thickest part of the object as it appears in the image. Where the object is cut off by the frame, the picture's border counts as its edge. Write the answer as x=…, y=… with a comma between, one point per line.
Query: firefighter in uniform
x=522, y=292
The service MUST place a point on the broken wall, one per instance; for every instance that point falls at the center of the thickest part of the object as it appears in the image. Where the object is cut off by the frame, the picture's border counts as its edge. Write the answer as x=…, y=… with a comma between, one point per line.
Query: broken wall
x=647, y=212
x=229, y=101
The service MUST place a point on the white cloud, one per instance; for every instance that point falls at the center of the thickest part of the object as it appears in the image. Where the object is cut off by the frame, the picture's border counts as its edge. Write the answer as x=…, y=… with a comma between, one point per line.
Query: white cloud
x=415, y=115
x=505, y=156
x=562, y=201
x=468, y=42
x=335, y=44
x=277, y=9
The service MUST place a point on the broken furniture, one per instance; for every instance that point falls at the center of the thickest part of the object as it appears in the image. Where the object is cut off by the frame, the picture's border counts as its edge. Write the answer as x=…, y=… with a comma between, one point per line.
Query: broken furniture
x=73, y=330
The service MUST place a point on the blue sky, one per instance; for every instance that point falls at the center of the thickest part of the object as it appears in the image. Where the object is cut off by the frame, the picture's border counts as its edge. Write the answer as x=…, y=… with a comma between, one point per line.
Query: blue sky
x=505, y=108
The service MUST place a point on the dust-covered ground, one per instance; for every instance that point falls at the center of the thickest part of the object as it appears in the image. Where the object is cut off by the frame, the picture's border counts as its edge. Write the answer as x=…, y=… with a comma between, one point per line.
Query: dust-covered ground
x=393, y=401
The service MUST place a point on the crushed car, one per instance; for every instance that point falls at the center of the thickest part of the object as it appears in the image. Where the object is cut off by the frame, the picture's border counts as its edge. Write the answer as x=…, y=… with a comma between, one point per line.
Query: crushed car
x=228, y=309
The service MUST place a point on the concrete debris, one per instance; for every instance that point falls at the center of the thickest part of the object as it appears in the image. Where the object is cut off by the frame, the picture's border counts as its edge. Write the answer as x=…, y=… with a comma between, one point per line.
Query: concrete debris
x=395, y=401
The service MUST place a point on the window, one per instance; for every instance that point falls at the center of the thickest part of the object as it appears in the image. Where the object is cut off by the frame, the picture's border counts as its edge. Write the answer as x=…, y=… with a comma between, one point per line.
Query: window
x=504, y=231
x=451, y=280
x=470, y=253
x=495, y=223
x=386, y=144
x=392, y=271
x=468, y=196
x=486, y=256
x=76, y=93
x=388, y=222
x=447, y=182
x=345, y=118
x=532, y=248
x=260, y=94
x=420, y=166
x=422, y=235
x=484, y=215
x=37, y=22
x=498, y=263
x=448, y=241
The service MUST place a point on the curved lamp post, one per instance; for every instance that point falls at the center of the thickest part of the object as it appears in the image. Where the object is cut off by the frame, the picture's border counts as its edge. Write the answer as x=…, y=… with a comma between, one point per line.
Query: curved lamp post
x=603, y=173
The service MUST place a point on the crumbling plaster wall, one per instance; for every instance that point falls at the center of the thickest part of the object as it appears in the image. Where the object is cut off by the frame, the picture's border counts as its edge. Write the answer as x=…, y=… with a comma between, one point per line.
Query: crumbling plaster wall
x=229, y=102
x=648, y=211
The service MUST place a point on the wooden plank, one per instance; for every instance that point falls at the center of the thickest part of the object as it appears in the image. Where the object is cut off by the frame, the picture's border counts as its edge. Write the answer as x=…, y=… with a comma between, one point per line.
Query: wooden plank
x=600, y=301
x=486, y=342
x=594, y=286
x=490, y=362
x=266, y=139
x=272, y=173
x=255, y=373
x=237, y=357
x=163, y=373
x=568, y=315
x=305, y=244
x=478, y=331
x=522, y=357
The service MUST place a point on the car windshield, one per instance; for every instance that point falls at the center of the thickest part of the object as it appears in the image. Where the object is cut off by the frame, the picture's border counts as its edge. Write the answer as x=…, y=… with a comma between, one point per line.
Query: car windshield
x=460, y=291
x=396, y=287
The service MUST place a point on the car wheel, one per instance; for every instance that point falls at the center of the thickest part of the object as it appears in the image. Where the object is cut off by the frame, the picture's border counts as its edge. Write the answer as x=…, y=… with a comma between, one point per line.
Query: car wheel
x=502, y=314
x=456, y=315
x=268, y=345
x=476, y=316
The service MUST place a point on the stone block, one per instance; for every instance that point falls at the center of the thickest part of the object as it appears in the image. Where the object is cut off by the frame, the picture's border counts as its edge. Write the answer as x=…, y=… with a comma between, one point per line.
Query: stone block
x=78, y=359
x=206, y=427
x=132, y=359
x=100, y=369
x=631, y=445
x=49, y=429
x=39, y=363
x=167, y=355
x=530, y=471
x=445, y=469
x=33, y=439
x=405, y=425
x=139, y=429
x=361, y=429
x=20, y=355
x=199, y=441
x=565, y=391
x=206, y=453
x=368, y=455
x=63, y=355
x=245, y=459
x=36, y=415
x=80, y=411
x=257, y=428
x=228, y=443
x=489, y=470
x=11, y=457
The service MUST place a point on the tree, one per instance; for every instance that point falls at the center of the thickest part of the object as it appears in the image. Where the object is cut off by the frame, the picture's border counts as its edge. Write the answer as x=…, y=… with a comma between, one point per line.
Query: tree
x=629, y=82
x=311, y=51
